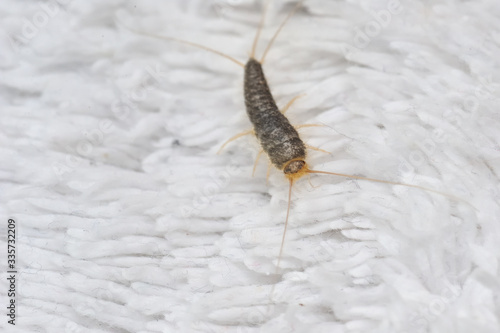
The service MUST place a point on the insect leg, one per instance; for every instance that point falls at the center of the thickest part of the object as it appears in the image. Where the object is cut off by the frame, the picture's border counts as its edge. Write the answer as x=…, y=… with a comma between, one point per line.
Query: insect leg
x=309, y=125
x=237, y=136
x=269, y=168
x=310, y=182
x=285, y=109
x=256, y=161
x=317, y=149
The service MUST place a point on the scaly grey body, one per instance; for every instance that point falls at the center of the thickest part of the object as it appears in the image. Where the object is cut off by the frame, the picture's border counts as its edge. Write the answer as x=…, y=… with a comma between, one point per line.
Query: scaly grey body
x=278, y=138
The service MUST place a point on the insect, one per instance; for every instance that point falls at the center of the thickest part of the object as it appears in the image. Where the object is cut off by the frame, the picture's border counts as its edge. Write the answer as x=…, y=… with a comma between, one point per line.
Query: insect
x=278, y=138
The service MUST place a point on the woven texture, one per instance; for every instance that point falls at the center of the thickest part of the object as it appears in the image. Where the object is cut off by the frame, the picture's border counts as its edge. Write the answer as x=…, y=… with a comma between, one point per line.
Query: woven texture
x=128, y=221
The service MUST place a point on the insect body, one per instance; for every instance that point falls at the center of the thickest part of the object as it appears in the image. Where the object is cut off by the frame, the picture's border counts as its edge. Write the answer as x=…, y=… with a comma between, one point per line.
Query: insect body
x=278, y=138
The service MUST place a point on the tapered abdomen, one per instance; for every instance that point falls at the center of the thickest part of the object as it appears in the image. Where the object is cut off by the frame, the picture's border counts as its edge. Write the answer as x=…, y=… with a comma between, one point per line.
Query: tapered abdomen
x=277, y=136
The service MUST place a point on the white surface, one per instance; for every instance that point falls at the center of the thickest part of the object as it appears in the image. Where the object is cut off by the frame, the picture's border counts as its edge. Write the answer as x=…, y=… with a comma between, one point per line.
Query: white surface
x=129, y=222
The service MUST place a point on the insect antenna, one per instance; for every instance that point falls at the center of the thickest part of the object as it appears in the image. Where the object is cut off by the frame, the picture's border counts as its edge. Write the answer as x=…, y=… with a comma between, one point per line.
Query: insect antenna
x=203, y=47
x=393, y=183
x=259, y=30
x=297, y=6
x=286, y=226
x=276, y=271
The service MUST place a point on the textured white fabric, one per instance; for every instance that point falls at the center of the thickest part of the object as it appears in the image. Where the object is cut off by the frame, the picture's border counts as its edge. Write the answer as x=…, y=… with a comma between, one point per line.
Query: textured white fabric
x=128, y=220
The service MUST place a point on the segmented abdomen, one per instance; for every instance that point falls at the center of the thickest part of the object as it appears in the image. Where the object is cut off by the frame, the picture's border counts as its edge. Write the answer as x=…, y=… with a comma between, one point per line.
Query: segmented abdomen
x=277, y=136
